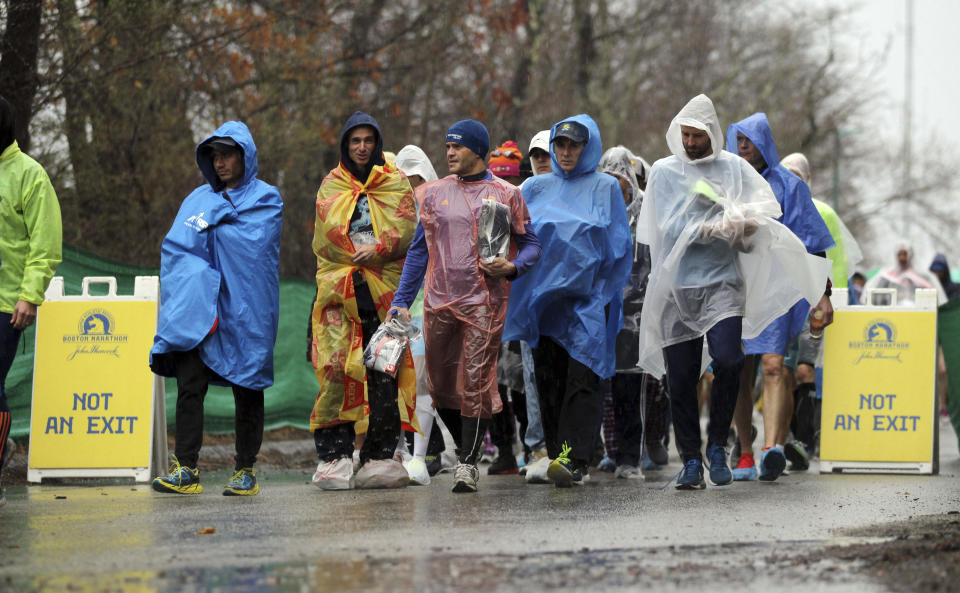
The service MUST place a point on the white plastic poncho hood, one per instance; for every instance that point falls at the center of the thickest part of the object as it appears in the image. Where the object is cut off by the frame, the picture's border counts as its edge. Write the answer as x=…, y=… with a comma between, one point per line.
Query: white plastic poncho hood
x=413, y=161
x=715, y=248
x=619, y=162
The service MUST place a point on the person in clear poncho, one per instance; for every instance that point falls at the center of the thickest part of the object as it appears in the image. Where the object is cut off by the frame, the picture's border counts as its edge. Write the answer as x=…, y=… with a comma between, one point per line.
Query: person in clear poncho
x=722, y=269
x=568, y=307
x=623, y=403
x=465, y=298
x=752, y=139
x=904, y=277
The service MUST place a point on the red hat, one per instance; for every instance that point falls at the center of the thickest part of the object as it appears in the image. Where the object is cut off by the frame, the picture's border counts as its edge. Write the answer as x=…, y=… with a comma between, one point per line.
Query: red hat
x=505, y=160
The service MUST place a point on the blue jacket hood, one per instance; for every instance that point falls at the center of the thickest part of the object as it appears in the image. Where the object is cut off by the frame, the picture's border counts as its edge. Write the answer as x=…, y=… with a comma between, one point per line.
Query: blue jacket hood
x=239, y=133
x=360, y=118
x=590, y=157
x=757, y=129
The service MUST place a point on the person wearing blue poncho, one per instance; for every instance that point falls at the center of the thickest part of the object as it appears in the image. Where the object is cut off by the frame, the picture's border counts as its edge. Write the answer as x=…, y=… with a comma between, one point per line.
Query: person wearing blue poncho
x=568, y=306
x=752, y=139
x=219, y=304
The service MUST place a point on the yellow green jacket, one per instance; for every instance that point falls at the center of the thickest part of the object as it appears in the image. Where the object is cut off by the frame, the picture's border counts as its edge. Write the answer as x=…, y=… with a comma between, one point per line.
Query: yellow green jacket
x=31, y=235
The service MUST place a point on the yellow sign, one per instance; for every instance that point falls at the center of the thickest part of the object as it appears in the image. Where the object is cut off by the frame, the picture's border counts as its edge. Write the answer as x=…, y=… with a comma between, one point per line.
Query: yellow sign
x=93, y=389
x=878, y=387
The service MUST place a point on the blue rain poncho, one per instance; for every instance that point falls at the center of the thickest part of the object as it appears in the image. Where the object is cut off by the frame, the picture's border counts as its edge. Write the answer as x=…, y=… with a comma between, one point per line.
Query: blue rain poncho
x=219, y=283
x=716, y=249
x=799, y=215
x=585, y=261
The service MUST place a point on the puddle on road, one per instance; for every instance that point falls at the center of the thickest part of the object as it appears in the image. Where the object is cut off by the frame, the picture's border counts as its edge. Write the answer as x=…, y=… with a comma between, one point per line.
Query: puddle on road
x=741, y=567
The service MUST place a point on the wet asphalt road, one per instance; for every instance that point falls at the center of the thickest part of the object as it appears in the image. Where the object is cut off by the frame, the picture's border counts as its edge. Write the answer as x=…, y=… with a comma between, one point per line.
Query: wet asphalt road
x=610, y=535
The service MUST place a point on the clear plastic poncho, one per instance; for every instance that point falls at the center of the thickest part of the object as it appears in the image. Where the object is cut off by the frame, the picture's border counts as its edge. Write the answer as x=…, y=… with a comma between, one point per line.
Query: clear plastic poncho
x=905, y=280
x=716, y=250
x=621, y=163
x=413, y=161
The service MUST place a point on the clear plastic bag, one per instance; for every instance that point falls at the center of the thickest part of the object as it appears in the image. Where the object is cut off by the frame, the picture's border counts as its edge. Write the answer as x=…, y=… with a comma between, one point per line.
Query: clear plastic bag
x=387, y=345
x=363, y=238
x=493, y=236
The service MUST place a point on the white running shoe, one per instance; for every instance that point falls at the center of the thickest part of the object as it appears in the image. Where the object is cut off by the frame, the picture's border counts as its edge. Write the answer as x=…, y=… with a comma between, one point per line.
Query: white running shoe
x=465, y=478
x=628, y=472
x=537, y=471
x=381, y=473
x=334, y=475
x=417, y=470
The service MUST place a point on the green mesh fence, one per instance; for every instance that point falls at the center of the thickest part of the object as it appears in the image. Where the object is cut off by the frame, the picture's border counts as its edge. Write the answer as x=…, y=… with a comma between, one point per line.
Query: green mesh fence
x=948, y=329
x=288, y=402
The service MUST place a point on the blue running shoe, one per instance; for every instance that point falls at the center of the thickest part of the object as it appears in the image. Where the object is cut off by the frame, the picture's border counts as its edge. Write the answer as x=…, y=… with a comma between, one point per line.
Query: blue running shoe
x=772, y=464
x=180, y=480
x=648, y=465
x=563, y=471
x=720, y=474
x=607, y=464
x=691, y=476
x=243, y=483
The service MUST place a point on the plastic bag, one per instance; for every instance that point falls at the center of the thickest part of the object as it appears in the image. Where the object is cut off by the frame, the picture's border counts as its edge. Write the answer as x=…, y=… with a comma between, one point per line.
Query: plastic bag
x=493, y=236
x=387, y=345
x=363, y=238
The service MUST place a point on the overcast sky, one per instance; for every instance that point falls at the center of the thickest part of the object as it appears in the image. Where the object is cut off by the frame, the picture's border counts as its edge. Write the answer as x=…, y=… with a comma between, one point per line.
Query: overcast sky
x=936, y=92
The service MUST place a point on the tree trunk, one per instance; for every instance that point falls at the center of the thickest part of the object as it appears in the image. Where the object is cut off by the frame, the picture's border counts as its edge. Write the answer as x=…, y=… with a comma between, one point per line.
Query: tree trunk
x=18, y=63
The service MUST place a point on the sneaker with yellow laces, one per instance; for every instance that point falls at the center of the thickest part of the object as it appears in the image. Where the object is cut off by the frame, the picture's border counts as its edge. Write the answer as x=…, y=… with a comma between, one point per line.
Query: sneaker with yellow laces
x=243, y=483
x=180, y=480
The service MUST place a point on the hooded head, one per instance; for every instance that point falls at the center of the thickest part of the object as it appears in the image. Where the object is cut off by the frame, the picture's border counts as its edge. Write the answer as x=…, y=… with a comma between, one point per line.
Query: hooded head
x=903, y=251
x=583, y=124
x=619, y=162
x=757, y=129
x=232, y=132
x=698, y=113
x=356, y=120
x=7, y=125
x=413, y=161
x=797, y=164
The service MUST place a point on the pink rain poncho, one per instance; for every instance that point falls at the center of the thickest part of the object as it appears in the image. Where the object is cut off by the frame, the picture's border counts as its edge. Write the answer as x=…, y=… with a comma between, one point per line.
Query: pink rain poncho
x=464, y=309
x=715, y=248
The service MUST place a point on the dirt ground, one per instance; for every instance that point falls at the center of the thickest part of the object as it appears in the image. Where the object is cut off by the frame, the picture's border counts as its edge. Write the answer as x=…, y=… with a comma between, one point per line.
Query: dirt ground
x=923, y=554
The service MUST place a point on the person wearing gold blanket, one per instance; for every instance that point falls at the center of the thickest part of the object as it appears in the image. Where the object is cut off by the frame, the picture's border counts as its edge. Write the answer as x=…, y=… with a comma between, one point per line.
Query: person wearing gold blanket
x=366, y=216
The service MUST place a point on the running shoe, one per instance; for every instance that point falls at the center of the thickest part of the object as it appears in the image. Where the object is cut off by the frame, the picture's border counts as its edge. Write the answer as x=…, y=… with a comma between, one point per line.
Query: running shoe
x=607, y=465
x=628, y=472
x=719, y=474
x=746, y=470
x=381, y=473
x=648, y=465
x=505, y=463
x=772, y=464
x=465, y=478
x=334, y=475
x=417, y=471
x=657, y=453
x=433, y=464
x=564, y=471
x=180, y=480
x=796, y=454
x=691, y=476
x=243, y=483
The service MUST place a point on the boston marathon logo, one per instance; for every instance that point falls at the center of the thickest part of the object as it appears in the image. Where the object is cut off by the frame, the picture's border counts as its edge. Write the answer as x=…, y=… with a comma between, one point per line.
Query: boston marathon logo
x=879, y=342
x=96, y=334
